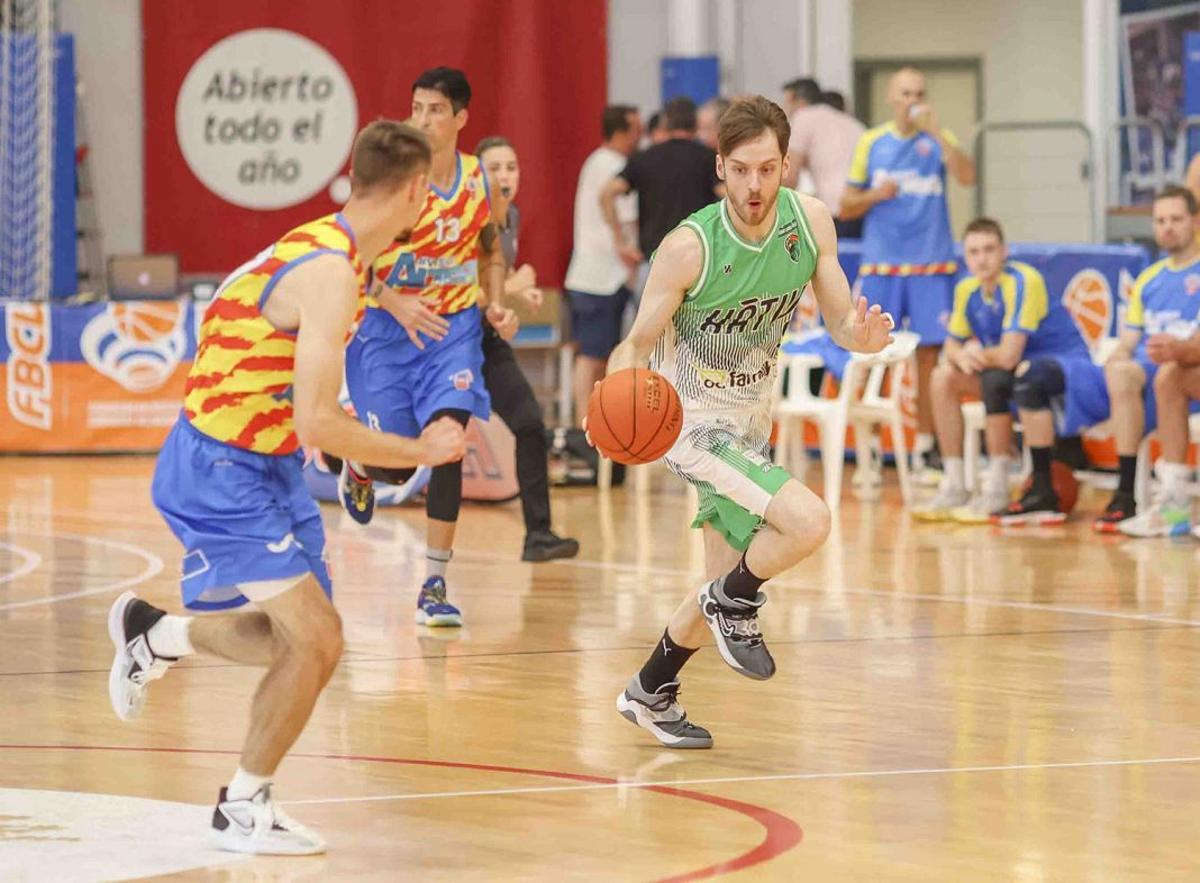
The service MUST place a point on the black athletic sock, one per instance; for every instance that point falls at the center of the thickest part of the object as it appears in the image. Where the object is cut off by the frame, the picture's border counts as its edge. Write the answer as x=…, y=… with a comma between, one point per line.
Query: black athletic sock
x=664, y=663
x=741, y=582
x=1041, y=468
x=1127, y=470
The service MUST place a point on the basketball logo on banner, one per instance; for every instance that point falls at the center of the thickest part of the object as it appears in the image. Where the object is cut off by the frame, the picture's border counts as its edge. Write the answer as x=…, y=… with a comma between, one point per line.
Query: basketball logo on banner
x=266, y=118
x=1088, y=301
x=138, y=344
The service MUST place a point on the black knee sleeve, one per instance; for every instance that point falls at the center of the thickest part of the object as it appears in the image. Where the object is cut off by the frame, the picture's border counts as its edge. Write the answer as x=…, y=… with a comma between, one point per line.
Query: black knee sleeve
x=1038, y=383
x=997, y=387
x=443, y=497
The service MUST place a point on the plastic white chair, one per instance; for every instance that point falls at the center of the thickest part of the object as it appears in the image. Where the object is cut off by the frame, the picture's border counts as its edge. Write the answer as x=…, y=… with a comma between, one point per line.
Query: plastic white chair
x=974, y=423
x=1145, y=468
x=832, y=416
x=873, y=408
x=798, y=404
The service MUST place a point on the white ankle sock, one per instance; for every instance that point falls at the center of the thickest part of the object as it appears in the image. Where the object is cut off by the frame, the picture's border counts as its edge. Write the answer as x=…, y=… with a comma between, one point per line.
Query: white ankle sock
x=997, y=474
x=245, y=785
x=952, y=468
x=169, y=637
x=1174, y=477
x=436, y=562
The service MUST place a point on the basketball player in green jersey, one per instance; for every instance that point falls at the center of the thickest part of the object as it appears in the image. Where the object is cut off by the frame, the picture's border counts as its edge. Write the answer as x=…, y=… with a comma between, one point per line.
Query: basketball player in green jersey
x=721, y=292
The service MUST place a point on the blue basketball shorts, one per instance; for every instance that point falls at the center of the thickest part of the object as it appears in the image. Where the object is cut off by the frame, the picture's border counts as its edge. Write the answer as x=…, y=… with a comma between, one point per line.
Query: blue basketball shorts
x=1086, y=401
x=397, y=387
x=242, y=517
x=917, y=303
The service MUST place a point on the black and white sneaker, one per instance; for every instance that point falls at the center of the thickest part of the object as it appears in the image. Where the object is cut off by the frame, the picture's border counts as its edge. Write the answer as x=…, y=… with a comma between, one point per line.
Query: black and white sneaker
x=135, y=665
x=734, y=624
x=259, y=826
x=661, y=714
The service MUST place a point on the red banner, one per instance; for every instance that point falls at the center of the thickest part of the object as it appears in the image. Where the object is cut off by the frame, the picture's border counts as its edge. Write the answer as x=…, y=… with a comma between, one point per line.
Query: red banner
x=250, y=107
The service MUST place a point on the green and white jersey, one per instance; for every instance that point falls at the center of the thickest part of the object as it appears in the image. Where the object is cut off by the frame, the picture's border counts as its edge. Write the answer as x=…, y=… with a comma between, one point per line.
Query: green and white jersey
x=721, y=349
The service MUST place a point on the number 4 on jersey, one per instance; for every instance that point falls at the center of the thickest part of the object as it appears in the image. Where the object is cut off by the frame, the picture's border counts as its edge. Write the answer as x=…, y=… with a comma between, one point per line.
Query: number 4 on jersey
x=405, y=273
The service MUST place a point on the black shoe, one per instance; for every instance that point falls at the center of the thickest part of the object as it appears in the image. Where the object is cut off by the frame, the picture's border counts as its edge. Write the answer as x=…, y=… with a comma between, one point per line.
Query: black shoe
x=933, y=458
x=1037, y=507
x=545, y=545
x=1120, y=508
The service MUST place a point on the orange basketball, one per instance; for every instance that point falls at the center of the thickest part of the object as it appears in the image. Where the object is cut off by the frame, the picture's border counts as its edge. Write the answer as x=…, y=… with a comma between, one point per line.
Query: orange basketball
x=634, y=416
x=1065, y=484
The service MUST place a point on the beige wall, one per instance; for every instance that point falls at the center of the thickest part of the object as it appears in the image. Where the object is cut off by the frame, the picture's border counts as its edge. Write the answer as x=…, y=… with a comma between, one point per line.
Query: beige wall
x=1031, y=54
x=1032, y=50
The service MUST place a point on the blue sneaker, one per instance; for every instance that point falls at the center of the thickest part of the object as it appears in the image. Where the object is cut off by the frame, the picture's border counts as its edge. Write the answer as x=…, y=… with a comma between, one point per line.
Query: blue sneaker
x=432, y=607
x=356, y=493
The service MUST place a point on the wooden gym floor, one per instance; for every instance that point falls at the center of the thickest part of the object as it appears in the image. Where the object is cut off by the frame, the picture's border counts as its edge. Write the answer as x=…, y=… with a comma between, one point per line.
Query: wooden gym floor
x=952, y=703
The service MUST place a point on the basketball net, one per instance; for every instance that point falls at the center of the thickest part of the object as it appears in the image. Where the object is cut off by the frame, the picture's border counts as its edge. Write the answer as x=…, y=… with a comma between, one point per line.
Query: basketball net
x=27, y=74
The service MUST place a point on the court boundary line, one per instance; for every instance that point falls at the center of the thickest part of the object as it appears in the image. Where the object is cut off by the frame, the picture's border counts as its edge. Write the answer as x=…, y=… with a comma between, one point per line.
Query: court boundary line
x=485, y=557
x=781, y=833
x=32, y=562
x=655, y=570
x=517, y=654
x=781, y=777
x=154, y=566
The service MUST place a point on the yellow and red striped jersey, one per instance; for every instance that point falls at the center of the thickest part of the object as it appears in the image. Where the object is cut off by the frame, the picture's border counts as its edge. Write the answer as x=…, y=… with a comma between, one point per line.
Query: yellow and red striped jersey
x=440, y=261
x=239, y=390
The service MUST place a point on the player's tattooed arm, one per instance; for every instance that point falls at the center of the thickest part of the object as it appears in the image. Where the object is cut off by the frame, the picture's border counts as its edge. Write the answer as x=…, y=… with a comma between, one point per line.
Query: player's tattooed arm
x=850, y=323
x=324, y=321
x=675, y=270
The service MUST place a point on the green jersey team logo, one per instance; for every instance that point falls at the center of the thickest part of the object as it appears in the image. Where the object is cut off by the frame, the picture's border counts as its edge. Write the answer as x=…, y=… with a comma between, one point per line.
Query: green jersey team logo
x=792, y=244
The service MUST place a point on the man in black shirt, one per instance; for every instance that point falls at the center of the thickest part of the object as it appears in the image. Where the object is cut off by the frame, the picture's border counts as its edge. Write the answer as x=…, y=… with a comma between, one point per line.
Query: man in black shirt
x=672, y=180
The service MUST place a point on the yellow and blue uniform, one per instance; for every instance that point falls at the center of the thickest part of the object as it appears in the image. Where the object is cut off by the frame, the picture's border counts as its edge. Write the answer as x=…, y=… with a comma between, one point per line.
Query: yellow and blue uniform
x=1165, y=299
x=395, y=386
x=908, y=259
x=228, y=479
x=1021, y=304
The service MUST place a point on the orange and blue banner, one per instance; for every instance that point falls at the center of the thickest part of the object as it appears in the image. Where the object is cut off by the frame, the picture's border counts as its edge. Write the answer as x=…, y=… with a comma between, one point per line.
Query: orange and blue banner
x=95, y=378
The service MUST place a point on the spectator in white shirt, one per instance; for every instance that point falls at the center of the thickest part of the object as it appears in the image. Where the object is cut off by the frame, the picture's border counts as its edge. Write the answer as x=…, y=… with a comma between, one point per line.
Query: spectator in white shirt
x=822, y=143
x=597, y=280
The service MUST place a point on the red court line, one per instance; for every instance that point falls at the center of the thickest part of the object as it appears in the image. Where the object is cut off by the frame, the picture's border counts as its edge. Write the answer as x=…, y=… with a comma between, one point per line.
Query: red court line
x=781, y=835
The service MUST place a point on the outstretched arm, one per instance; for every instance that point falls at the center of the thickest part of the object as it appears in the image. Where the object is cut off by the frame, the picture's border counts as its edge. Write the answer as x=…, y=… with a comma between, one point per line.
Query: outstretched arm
x=493, y=268
x=676, y=268
x=323, y=294
x=851, y=325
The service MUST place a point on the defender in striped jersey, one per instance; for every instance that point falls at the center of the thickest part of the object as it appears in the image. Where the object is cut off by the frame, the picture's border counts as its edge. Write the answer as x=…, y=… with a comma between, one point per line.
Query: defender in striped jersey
x=266, y=380
x=721, y=292
x=419, y=354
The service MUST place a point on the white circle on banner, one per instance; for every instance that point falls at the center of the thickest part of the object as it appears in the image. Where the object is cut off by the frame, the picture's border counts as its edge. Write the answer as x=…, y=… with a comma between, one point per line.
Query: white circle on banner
x=266, y=118
x=339, y=190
